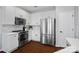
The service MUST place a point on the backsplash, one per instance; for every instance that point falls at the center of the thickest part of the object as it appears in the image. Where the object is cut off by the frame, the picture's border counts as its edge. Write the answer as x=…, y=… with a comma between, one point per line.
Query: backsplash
x=9, y=28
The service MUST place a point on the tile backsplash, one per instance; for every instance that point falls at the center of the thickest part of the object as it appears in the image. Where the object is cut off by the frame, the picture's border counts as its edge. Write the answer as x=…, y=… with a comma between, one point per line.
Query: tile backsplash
x=9, y=28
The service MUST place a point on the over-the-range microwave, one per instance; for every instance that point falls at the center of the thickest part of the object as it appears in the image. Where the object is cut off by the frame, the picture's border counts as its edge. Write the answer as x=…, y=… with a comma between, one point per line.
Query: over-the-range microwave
x=20, y=21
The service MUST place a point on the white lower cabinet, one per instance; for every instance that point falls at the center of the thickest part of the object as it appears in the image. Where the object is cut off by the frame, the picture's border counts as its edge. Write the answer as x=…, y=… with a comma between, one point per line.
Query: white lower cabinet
x=9, y=42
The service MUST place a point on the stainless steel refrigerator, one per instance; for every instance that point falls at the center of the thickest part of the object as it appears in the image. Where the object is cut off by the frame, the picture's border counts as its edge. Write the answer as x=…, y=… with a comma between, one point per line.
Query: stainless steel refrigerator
x=48, y=31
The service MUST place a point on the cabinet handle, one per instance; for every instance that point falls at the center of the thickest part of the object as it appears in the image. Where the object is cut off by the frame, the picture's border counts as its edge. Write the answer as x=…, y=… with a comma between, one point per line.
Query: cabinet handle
x=14, y=36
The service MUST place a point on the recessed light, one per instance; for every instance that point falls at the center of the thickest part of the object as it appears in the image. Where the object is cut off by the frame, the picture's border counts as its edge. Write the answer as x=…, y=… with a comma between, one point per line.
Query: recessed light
x=35, y=6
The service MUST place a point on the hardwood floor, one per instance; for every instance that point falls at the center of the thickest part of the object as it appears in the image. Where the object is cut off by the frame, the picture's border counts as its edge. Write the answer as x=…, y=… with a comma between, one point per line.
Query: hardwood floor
x=36, y=47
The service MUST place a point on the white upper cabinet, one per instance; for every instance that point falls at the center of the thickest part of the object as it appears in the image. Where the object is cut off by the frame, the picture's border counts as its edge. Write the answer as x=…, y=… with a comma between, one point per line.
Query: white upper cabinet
x=11, y=12
x=23, y=14
x=10, y=15
x=20, y=13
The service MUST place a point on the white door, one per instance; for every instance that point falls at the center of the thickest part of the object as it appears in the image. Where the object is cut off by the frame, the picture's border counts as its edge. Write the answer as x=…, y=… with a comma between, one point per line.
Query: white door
x=66, y=26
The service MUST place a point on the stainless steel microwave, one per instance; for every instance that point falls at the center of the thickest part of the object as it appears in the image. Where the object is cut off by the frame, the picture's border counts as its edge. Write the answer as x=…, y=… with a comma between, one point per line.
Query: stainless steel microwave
x=20, y=21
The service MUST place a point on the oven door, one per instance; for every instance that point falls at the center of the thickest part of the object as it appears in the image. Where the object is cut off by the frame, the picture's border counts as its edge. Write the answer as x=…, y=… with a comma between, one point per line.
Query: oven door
x=23, y=38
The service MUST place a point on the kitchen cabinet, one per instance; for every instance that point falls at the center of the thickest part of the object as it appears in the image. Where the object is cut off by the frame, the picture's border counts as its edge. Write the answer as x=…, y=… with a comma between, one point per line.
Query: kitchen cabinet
x=20, y=13
x=11, y=12
x=35, y=20
x=23, y=14
x=9, y=42
x=9, y=15
x=34, y=34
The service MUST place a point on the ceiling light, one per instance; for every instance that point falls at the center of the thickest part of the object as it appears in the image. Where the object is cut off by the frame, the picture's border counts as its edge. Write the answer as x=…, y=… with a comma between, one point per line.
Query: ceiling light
x=35, y=6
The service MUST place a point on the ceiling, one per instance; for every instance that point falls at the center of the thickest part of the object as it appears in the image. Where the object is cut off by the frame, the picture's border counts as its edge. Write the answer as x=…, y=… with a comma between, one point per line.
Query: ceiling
x=33, y=9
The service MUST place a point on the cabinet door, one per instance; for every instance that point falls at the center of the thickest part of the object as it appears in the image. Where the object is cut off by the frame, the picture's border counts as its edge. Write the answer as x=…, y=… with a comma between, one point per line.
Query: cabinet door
x=9, y=15
x=35, y=35
x=13, y=42
x=9, y=42
x=23, y=14
x=35, y=20
x=20, y=13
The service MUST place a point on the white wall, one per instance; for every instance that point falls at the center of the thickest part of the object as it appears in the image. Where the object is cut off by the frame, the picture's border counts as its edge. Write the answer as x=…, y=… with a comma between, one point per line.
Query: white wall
x=35, y=20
